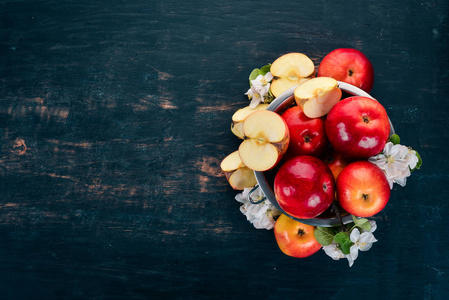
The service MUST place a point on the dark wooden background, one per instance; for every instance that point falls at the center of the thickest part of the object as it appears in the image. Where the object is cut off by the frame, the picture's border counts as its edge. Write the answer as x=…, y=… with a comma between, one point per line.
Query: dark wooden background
x=115, y=115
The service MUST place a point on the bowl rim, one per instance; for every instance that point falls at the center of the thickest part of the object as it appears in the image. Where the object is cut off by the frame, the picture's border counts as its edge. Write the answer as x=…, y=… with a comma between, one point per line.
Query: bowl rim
x=262, y=181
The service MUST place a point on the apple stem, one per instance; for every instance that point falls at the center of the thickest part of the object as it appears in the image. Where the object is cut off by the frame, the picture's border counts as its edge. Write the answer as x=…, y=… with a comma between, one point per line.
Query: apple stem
x=337, y=212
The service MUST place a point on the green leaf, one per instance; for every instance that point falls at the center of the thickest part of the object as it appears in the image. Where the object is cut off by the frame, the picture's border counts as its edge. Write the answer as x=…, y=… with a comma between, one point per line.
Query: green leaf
x=253, y=75
x=324, y=235
x=418, y=165
x=395, y=139
x=362, y=223
x=265, y=69
x=344, y=242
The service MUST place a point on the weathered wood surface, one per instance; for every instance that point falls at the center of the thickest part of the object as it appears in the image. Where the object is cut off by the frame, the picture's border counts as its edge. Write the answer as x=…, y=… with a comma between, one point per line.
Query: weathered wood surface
x=114, y=117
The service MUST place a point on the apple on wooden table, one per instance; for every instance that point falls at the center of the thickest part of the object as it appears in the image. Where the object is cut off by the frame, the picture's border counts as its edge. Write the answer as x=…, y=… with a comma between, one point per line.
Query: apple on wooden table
x=304, y=187
x=290, y=70
x=357, y=127
x=240, y=115
x=362, y=189
x=266, y=139
x=294, y=238
x=307, y=135
x=238, y=175
x=350, y=66
x=317, y=96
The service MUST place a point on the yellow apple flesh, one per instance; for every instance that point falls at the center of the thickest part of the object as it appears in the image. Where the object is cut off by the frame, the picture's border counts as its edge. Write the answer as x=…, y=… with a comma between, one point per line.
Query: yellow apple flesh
x=266, y=139
x=240, y=115
x=317, y=96
x=238, y=175
x=290, y=70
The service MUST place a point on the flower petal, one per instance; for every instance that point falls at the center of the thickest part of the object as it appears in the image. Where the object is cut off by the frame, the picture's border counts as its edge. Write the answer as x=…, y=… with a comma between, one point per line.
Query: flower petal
x=355, y=235
x=332, y=251
x=401, y=181
x=350, y=260
x=255, y=101
x=387, y=148
x=367, y=237
x=373, y=225
x=354, y=252
x=268, y=77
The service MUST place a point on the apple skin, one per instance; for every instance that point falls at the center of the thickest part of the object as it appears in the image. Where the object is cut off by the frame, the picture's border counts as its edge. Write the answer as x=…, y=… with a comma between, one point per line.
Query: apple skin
x=362, y=189
x=350, y=66
x=294, y=238
x=304, y=187
x=335, y=161
x=357, y=127
x=307, y=136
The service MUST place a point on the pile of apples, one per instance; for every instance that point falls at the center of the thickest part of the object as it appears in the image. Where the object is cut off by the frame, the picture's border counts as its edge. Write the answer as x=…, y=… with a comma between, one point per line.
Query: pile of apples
x=321, y=145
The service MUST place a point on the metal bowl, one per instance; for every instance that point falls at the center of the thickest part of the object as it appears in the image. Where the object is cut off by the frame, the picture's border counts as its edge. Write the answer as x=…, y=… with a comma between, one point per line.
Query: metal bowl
x=265, y=179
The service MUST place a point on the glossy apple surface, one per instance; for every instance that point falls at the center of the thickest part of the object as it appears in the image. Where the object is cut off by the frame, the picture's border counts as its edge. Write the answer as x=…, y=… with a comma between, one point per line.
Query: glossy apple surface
x=362, y=189
x=295, y=238
x=357, y=127
x=350, y=66
x=335, y=161
x=304, y=187
x=307, y=136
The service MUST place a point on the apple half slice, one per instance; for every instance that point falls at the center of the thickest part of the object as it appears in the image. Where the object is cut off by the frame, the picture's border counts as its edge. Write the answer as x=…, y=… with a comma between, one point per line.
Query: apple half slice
x=317, y=96
x=290, y=70
x=266, y=139
x=238, y=175
x=240, y=115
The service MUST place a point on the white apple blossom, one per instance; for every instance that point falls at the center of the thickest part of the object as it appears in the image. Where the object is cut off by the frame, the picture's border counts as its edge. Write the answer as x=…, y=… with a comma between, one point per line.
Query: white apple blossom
x=261, y=215
x=255, y=97
x=333, y=251
x=396, y=161
x=373, y=225
x=362, y=241
x=259, y=90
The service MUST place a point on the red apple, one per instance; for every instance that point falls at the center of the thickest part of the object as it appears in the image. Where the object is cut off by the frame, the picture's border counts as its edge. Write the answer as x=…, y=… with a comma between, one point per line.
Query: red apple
x=357, y=127
x=295, y=238
x=307, y=136
x=362, y=189
x=304, y=187
x=350, y=66
x=335, y=161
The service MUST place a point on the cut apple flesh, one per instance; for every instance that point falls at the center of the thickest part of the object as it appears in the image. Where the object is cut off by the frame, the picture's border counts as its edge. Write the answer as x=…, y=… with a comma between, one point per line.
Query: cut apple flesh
x=231, y=162
x=266, y=139
x=259, y=157
x=242, y=178
x=317, y=96
x=281, y=84
x=238, y=175
x=290, y=70
x=240, y=116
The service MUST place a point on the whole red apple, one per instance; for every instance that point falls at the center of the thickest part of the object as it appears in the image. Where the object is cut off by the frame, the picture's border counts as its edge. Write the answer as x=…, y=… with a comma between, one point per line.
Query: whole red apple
x=357, y=127
x=295, y=238
x=307, y=135
x=335, y=161
x=304, y=187
x=362, y=189
x=350, y=66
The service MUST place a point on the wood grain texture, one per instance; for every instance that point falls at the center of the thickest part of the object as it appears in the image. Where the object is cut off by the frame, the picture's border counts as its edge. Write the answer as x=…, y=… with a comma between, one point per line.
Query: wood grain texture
x=115, y=115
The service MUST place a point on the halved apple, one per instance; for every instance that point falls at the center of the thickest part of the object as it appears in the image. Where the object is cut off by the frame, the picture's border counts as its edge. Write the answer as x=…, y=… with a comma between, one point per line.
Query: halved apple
x=289, y=70
x=266, y=139
x=240, y=115
x=238, y=175
x=317, y=96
